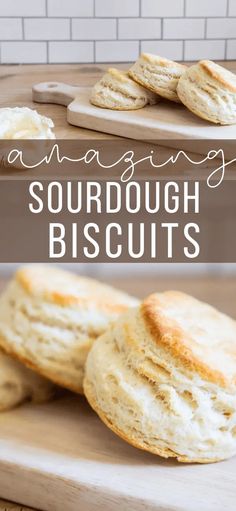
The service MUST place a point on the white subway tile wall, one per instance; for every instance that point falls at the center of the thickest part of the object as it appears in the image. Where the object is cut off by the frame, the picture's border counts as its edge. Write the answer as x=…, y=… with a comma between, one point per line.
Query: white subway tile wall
x=221, y=28
x=27, y=52
x=183, y=28
x=214, y=49
x=87, y=29
x=231, y=49
x=117, y=8
x=22, y=8
x=64, y=31
x=11, y=28
x=48, y=29
x=169, y=49
x=162, y=8
x=116, y=51
x=139, y=28
x=206, y=8
x=69, y=8
x=58, y=52
x=232, y=8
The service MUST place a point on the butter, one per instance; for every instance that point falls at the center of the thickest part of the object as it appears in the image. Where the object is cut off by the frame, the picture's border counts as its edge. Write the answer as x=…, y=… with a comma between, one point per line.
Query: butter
x=24, y=123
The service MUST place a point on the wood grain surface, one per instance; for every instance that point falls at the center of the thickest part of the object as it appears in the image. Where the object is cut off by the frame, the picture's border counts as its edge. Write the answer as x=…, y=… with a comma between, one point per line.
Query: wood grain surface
x=11, y=506
x=16, y=84
x=60, y=456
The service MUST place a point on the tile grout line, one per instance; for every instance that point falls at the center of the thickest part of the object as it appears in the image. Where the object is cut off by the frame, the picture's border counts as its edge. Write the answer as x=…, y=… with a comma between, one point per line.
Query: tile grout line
x=205, y=29
x=70, y=28
x=140, y=16
x=226, y=40
x=47, y=51
x=151, y=18
x=23, y=28
x=227, y=9
x=167, y=40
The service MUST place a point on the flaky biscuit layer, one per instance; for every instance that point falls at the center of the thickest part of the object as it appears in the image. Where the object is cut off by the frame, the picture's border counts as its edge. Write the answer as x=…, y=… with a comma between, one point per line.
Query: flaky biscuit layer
x=209, y=91
x=158, y=75
x=163, y=378
x=50, y=318
x=117, y=91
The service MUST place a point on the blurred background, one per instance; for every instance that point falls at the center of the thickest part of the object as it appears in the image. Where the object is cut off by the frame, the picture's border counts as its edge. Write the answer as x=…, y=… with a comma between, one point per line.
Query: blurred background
x=213, y=283
x=88, y=31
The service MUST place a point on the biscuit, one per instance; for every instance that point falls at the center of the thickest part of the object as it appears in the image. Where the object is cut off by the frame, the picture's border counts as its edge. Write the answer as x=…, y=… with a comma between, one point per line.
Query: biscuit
x=158, y=75
x=163, y=377
x=49, y=319
x=117, y=91
x=19, y=384
x=209, y=91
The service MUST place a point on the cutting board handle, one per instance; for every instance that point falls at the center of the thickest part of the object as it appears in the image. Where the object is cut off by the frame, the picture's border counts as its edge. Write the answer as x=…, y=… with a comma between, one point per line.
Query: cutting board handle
x=54, y=92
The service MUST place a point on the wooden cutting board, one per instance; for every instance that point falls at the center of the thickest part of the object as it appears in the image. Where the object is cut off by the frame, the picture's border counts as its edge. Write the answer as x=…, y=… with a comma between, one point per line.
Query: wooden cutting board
x=59, y=456
x=166, y=120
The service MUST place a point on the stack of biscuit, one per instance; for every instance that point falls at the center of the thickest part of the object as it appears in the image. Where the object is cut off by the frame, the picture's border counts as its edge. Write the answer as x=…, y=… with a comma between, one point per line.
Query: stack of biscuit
x=206, y=89
x=161, y=374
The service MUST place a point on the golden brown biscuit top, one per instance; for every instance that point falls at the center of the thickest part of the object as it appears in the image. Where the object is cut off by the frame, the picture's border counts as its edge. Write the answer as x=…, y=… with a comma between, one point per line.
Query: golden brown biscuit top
x=121, y=76
x=68, y=289
x=161, y=61
x=199, y=337
x=223, y=76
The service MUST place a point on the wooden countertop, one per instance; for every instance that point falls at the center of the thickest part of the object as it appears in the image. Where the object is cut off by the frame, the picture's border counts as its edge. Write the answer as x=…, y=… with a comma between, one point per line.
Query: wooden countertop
x=16, y=83
x=217, y=290
x=10, y=506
